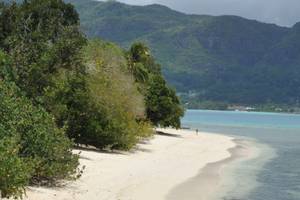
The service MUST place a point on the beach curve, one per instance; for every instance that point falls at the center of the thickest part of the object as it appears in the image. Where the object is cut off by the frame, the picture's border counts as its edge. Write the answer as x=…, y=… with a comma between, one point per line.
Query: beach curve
x=152, y=171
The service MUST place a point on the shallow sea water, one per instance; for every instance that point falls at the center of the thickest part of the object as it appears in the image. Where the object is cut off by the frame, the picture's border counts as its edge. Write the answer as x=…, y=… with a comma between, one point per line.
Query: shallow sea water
x=275, y=175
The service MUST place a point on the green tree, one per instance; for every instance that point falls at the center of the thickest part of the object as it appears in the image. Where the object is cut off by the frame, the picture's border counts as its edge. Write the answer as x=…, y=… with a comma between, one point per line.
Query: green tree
x=40, y=142
x=44, y=42
x=32, y=148
x=163, y=107
x=42, y=37
x=115, y=107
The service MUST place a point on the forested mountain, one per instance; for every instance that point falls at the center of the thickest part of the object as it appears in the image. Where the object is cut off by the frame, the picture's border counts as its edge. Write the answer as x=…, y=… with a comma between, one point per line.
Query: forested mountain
x=225, y=59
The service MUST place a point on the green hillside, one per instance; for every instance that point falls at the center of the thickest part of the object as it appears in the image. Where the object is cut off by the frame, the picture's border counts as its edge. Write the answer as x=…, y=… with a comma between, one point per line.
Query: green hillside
x=225, y=59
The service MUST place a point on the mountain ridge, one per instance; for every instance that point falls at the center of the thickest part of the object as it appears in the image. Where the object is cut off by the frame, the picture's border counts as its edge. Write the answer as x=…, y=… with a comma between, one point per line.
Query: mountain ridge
x=216, y=58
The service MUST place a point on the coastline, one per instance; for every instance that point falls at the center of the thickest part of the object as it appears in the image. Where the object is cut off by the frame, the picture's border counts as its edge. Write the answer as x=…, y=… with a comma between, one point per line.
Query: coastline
x=216, y=179
x=160, y=168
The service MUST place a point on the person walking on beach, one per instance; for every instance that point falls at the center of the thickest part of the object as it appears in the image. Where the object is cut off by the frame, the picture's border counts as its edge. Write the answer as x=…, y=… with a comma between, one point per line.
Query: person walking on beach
x=197, y=131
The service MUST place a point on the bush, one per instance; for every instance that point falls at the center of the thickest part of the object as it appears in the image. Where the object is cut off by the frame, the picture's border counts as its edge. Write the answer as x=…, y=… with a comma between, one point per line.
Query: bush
x=14, y=171
x=40, y=143
x=112, y=110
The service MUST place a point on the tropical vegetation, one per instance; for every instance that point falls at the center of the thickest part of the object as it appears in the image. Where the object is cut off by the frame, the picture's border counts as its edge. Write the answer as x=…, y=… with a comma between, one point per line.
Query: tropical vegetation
x=59, y=90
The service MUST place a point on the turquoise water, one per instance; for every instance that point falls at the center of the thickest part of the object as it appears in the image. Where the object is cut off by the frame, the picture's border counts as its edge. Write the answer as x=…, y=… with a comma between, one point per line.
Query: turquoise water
x=279, y=178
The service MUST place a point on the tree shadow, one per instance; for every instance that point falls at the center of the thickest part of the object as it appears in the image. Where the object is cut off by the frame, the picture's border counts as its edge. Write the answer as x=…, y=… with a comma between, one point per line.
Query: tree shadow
x=168, y=134
x=94, y=149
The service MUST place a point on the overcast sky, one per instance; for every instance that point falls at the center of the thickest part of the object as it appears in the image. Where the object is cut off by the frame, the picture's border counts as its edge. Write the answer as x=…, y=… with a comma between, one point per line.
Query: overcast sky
x=281, y=12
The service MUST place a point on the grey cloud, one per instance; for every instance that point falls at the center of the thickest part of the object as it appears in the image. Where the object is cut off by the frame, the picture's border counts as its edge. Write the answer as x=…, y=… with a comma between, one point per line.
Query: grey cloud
x=281, y=12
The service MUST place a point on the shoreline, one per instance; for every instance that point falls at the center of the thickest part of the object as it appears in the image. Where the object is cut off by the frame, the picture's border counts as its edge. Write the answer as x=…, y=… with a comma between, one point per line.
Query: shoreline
x=211, y=183
x=158, y=169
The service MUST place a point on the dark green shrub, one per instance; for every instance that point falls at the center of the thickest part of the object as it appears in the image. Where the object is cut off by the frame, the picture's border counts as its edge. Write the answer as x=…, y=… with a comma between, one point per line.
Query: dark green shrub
x=40, y=143
x=163, y=106
x=14, y=170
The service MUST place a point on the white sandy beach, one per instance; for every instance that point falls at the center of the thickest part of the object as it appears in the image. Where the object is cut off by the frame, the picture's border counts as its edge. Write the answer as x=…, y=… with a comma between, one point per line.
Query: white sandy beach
x=150, y=173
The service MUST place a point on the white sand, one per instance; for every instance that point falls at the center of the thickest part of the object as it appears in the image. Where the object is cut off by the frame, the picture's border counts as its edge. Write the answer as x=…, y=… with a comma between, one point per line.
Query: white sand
x=149, y=173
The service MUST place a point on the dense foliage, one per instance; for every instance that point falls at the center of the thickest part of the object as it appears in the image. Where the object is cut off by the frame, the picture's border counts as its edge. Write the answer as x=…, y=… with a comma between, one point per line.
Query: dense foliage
x=39, y=137
x=57, y=88
x=114, y=116
x=14, y=171
x=224, y=59
x=41, y=38
x=44, y=42
x=163, y=107
x=33, y=150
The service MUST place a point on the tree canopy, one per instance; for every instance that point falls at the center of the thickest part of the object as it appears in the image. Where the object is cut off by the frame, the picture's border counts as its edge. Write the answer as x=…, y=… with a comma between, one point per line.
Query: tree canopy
x=59, y=90
x=163, y=107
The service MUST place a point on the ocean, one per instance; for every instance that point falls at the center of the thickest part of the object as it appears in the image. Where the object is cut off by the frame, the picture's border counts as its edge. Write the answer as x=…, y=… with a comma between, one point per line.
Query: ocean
x=275, y=175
